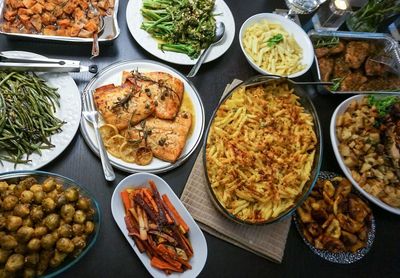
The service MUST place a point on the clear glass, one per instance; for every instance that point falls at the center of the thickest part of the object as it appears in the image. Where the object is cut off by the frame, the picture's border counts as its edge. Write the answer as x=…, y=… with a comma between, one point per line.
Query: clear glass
x=331, y=17
x=66, y=182
x=302, y=6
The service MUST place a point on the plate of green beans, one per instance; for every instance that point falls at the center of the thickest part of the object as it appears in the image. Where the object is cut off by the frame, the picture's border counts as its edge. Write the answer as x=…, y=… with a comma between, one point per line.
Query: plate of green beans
x=177, y=31
x=39, y=117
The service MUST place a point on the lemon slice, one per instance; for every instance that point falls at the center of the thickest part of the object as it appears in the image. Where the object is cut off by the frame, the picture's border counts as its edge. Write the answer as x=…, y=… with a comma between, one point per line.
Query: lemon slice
x=144, y=155
x=107, y=131
x=128, y=152
x=113, y=145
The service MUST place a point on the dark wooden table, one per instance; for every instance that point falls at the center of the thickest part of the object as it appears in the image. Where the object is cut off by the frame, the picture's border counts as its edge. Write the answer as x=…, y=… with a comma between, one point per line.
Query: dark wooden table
x=112, y=256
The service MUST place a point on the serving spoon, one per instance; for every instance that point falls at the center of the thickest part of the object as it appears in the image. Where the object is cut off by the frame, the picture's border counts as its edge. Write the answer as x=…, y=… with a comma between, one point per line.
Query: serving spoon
x=219, y=34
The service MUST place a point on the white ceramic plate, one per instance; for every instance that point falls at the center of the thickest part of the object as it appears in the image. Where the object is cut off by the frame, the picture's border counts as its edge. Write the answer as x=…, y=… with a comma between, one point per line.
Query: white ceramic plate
x=134, y=20
x=196, y=236
x=292, y=28
x=335, y=144
x=69, y=111
x=113, y=74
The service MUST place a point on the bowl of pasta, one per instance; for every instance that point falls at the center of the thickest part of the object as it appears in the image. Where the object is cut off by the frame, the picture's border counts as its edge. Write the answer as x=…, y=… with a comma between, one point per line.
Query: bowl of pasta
x=262, y=151
x=273, y=44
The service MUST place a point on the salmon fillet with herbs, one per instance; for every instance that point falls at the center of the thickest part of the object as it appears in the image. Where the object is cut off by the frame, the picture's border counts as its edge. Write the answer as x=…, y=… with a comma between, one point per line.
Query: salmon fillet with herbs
x=165, y=138
x=121, y=105
x=165, y=90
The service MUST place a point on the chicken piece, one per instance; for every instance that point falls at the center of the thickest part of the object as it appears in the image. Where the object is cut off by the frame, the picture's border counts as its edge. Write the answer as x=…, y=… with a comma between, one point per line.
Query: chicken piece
x=382, y=83
x=22, y=11
x=58, y=11
x=50, y=30
x=374, y=68
x=341, y=68
x=49, y=6
x=326, y=68
x=121, y=105
x=64, y=23
x=356, y=53
x=321, y=52
x=353, y=81
x=167, y=138
x=78, y=14
x=17, y=4
x=164, y=89
x=69, y=7
x=339, y=48
x=356, y=210
x=91, y=26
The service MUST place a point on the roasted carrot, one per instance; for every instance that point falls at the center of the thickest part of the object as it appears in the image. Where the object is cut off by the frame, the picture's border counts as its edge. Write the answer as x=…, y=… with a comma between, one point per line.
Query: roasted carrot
x=175, y=213
x=150, y=199
x=127, y=202
x=187, y=243
x=163, y=265
x=162, y=215
x=139, y=244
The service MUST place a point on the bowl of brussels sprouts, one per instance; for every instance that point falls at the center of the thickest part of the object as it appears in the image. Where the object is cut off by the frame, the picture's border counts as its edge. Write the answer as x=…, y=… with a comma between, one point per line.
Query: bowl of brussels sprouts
x=47, y=223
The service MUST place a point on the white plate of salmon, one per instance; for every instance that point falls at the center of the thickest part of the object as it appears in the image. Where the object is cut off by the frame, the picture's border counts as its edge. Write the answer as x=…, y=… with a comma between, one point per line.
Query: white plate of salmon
x=153, y=107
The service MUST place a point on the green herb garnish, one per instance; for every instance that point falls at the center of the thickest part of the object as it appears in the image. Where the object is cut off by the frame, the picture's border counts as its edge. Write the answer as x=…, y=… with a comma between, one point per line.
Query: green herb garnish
x=336, y=84
x=383, y=104
x=331, y=42
x=275, y=40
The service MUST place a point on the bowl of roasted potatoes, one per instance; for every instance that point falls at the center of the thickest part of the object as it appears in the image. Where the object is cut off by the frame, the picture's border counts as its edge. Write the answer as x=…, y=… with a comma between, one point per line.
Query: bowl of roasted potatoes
x=47, y=223
x=262, y=151
x=335, y=221
x=365, y=137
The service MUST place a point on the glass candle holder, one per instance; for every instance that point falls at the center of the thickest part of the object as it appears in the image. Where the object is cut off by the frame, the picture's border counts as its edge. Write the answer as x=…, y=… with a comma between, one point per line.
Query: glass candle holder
x=331, y=16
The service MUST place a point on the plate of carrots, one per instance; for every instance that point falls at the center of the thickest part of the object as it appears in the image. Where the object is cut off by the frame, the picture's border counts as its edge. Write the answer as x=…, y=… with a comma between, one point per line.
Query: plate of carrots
x=158, y=227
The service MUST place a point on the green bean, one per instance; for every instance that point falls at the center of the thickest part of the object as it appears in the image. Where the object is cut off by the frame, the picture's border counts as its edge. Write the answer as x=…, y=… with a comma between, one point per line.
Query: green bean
x=27, y=120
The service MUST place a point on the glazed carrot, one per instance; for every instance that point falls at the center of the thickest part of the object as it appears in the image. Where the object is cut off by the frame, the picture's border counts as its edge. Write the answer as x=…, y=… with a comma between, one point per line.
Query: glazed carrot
x=150, y=199
x=139, y=244
x=163, y=265
x=185, y=263
x=175, y=213
x=126, y=201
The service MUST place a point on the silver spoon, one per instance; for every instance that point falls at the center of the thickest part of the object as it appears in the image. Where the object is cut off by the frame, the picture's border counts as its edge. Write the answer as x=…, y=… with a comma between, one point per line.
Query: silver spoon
x=219, y=34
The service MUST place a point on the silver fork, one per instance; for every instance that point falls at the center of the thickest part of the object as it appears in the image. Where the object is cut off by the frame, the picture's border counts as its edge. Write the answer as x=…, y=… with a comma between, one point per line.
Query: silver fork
x=92, y=116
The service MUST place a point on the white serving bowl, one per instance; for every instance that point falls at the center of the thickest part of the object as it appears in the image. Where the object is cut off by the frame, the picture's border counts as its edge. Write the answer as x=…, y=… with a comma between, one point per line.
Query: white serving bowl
x=335, y=145
x=196, y=236
x=292, y=28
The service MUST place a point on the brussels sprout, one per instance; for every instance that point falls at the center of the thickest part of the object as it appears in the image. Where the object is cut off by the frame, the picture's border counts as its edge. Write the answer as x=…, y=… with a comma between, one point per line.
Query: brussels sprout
x=27, y=197
x=71, y=194
x=48, y=204
x=49, y=185
x=25, y=233
x=8, y=242
x=21, y=210
x=79, y=217
x=65, y=245
x=39, y=231
x=13, y=223
x=52, y=221
x=10, y=202
x=34, y=244
x=83, y=203
x=36, y=214
x=14, y=263
x=47, y=241
x=67, y=212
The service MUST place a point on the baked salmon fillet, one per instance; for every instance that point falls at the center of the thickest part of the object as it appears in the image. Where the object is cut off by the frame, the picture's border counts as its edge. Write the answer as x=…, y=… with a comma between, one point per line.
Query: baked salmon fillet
x=120, y=105
x=165, y=90
x=165, y=138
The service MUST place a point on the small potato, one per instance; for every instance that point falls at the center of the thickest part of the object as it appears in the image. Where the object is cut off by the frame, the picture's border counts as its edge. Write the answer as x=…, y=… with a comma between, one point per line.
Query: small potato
x=36, y=214
x=25, y=233
x=10, y=202
x=67, y=212
x=49, y=185
x=13, y=223
x=57, y=259
x=39, y=231
x=8, y=242
x=38, y=197
x=14, y=263
x=29, y=273
x=65, y=230
x=34, y=244
x=89, y=227
x=4, y=254
x=32, y=259
x=71, y=194
x=83, y=203
x=26, y=197
x=65, y=245
x=52, y=221
x=79, y=217
x=21, y=210
x=47, y=241
x=48, y=205
x=27, y=222
x=78, y=229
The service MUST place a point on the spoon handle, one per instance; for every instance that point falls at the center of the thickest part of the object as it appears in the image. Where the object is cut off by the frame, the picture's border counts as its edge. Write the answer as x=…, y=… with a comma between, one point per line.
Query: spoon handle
x=200, y=61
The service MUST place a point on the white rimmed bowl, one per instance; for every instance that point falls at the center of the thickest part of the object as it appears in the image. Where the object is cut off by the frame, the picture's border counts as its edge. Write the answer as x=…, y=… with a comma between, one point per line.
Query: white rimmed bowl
x=292, y=28
x=196, y=236
x=335, y=145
